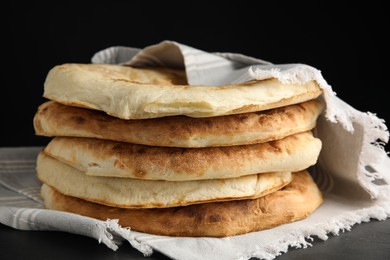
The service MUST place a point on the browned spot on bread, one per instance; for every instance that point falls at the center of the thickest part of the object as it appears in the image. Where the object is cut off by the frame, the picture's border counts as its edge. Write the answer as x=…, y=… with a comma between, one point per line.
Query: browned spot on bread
x=119, y=164
x=215, y=218
x=78, y=119
x=140, y=174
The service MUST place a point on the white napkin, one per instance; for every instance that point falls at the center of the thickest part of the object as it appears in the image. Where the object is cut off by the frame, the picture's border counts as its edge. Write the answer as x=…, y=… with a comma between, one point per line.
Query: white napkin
x=353, y=169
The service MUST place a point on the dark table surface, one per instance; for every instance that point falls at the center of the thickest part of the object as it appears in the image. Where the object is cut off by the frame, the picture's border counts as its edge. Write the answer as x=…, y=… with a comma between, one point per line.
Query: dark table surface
x=365, y=241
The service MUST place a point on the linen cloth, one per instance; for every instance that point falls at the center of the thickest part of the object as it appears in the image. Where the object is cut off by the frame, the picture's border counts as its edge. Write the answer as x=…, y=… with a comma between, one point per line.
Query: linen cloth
x=353, y=170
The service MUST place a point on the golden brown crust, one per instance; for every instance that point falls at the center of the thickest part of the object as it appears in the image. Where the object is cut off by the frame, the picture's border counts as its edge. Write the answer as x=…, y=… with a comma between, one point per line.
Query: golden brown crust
x=108, y=158
x=296, y=201
x=54, y=119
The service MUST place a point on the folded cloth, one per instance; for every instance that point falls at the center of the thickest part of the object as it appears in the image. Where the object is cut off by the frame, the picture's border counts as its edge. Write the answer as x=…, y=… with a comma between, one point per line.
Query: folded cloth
x=353, y=169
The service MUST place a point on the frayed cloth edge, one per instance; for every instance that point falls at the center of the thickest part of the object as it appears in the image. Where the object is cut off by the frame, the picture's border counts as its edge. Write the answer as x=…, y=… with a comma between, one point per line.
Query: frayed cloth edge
x=300, y=238
x=112, y=234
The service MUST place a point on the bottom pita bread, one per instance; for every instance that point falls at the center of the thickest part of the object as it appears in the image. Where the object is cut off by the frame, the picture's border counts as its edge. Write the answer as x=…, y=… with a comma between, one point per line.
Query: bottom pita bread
x=218, y=219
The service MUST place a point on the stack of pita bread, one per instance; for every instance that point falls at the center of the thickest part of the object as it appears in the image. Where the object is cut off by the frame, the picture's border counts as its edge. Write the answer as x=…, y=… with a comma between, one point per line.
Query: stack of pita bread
x=164, y=157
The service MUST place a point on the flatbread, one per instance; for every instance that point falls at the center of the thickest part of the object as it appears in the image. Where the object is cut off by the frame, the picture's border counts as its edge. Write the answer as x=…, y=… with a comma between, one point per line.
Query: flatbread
x=109, y=158
x=219, y=219
x=132, y=193
x=55, y=119
x=139, y=93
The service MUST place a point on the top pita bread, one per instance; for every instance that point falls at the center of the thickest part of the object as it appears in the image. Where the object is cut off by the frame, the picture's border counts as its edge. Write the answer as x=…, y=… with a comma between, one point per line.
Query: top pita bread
x=134, y=93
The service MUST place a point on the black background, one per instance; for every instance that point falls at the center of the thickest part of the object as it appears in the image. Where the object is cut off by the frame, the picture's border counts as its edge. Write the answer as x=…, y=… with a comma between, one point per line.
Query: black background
x=346, y=42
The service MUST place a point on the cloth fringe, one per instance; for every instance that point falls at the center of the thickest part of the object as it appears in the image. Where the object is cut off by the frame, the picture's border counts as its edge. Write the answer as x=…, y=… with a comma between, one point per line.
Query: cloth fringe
x=301, y=239
x=112, y=234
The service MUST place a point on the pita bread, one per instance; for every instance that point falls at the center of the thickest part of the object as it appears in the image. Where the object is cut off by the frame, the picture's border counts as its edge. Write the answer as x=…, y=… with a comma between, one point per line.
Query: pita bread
x=132, y=193
x=219, y=219
x=118, y=159
x=139, y=93
x=55, y=119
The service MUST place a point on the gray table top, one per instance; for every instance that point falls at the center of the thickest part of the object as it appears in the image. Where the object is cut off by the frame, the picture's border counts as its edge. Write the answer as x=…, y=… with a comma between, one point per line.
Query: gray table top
x=365, y=241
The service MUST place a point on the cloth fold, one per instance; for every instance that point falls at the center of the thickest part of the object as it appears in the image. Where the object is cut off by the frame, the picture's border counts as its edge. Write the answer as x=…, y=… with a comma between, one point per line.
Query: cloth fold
x=353, y=168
